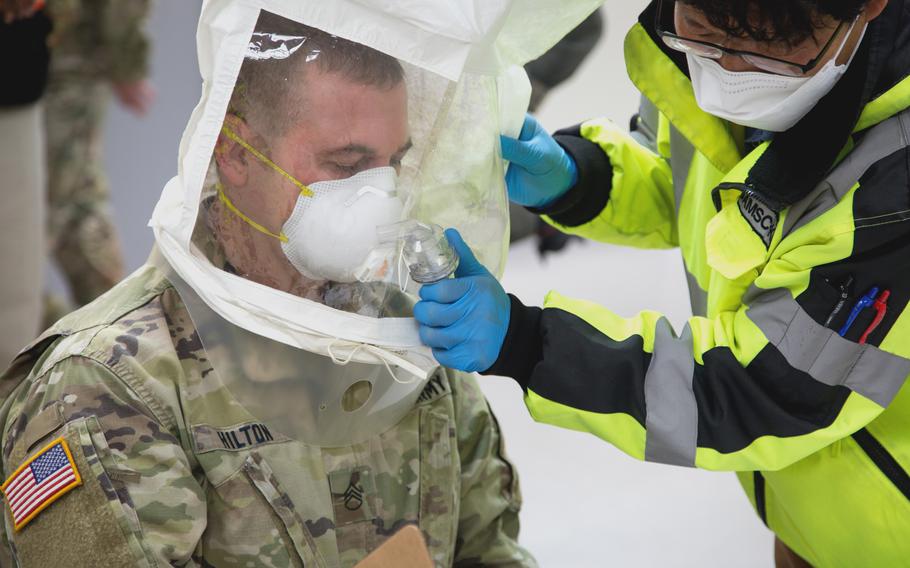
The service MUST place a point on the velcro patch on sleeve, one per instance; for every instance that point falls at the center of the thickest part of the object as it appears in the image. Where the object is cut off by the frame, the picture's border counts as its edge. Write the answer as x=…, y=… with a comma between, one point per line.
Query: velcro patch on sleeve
x=44, y=478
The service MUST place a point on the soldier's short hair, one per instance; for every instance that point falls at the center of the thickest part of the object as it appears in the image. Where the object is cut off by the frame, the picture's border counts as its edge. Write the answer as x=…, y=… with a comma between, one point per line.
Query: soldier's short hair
x=268, y=91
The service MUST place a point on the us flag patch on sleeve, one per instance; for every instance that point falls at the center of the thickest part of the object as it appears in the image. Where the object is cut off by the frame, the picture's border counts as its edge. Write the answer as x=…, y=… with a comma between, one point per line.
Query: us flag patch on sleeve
x=40, y=481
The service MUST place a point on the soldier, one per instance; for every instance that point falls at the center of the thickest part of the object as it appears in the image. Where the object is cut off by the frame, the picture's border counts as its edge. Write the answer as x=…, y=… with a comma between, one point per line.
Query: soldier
x=98, y=46
x=146, y=430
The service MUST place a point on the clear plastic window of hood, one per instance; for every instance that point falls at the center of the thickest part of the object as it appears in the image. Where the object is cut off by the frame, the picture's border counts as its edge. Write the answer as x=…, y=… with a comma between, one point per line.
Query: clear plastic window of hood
x=328, y=153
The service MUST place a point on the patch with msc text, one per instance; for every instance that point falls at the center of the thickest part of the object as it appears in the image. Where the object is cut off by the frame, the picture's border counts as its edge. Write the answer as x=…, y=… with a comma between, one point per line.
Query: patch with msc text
x=761, y=216
x=44, y=478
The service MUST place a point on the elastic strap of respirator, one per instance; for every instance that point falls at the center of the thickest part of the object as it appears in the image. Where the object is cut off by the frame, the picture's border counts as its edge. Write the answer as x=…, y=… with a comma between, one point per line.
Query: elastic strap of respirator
x=233, y=209
x=304, y=190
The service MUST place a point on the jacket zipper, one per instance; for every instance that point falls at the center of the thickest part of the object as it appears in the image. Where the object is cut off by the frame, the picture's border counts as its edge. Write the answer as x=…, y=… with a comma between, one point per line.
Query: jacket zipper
x=884, y=461
x=758, y=484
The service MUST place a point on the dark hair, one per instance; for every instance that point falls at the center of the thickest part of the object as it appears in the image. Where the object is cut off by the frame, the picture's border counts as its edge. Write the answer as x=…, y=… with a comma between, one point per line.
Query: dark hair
x=265, y=93
x=785, y=21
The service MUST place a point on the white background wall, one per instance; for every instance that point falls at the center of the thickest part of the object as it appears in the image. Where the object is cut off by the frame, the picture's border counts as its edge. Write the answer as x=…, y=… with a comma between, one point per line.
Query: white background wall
x=586, y=504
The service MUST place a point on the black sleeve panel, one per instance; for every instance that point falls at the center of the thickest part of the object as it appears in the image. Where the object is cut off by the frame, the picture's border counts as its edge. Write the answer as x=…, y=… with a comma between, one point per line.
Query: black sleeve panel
x=571, y=362
x=564, y=359
x=590, y=195
x=522, y=348
x=738, y=405
x=585, y=369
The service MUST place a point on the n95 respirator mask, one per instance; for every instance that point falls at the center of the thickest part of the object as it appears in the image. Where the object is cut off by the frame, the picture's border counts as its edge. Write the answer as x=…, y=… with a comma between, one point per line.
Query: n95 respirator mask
x=331, y=234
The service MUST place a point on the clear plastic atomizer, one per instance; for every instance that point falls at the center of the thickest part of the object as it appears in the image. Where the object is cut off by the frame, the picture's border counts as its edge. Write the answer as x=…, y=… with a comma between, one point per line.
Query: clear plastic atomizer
x=424, y=250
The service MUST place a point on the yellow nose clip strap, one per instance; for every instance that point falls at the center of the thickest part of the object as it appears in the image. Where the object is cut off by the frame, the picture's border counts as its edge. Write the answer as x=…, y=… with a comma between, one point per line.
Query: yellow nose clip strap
x=304, y=190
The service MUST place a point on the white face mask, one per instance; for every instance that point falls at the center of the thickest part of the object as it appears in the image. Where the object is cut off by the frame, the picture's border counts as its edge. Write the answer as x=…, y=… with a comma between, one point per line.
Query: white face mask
x=331, y=234
x=762, y=100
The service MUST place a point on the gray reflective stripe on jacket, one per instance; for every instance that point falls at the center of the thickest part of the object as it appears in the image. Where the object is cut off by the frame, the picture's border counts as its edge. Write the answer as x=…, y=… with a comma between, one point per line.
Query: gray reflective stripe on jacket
x=822, y=353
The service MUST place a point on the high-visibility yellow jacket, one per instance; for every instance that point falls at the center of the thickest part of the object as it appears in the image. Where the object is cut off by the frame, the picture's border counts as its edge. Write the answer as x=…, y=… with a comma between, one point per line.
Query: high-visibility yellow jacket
x=760, y=381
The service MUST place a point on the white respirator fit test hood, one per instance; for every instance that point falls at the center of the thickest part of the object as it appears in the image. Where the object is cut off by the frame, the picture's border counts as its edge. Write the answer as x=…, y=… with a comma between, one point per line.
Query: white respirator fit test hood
x=304, y=94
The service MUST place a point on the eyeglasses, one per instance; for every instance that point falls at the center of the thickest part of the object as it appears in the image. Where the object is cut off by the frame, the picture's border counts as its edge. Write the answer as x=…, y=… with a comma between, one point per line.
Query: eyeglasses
x=713, y=51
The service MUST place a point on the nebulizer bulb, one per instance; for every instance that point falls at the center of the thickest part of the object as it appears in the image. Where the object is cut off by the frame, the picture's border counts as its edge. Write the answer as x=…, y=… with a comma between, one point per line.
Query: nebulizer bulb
x=425, y=250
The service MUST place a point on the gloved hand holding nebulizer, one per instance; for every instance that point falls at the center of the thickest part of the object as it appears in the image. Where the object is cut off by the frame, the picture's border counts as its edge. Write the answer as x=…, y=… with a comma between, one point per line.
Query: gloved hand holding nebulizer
x=333, y=142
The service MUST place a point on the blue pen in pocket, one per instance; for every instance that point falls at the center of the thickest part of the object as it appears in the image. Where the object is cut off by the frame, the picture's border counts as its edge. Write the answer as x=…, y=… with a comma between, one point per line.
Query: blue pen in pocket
x=865, y=302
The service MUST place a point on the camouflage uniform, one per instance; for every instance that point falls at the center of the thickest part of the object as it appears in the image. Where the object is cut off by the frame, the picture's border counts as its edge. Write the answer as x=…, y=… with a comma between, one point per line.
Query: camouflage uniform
x=95, y=43
x=177, y=473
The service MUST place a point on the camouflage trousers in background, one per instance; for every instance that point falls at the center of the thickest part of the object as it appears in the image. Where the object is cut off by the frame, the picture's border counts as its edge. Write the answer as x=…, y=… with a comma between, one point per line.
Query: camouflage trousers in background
x=80, y=234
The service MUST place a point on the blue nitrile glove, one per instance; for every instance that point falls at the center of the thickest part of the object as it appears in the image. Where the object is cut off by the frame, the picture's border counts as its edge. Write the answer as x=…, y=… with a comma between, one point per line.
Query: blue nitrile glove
x=540, y=171
x=465, y=319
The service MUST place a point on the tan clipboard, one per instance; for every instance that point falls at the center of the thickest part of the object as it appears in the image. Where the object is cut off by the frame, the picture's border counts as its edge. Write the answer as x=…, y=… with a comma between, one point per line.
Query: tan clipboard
x=405, y=549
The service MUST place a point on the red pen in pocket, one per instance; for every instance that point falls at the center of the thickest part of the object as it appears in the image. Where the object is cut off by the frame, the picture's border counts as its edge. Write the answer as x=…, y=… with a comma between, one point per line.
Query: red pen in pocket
x=881, y=308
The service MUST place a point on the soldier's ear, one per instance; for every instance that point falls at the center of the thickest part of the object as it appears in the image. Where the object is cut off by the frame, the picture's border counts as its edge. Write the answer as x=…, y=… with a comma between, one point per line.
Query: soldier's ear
x=233, y=159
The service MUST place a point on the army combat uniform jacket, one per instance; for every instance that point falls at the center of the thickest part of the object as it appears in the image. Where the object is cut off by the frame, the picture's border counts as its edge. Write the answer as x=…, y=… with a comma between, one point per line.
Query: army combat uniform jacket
x=173, y=471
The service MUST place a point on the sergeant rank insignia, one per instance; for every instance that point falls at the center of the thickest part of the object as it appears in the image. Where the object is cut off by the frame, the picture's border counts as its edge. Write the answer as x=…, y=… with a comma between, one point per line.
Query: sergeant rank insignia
x=40, y=481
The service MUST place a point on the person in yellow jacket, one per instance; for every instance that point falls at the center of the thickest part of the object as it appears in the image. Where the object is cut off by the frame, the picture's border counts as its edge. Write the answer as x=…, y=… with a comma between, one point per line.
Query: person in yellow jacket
x=773, y=148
